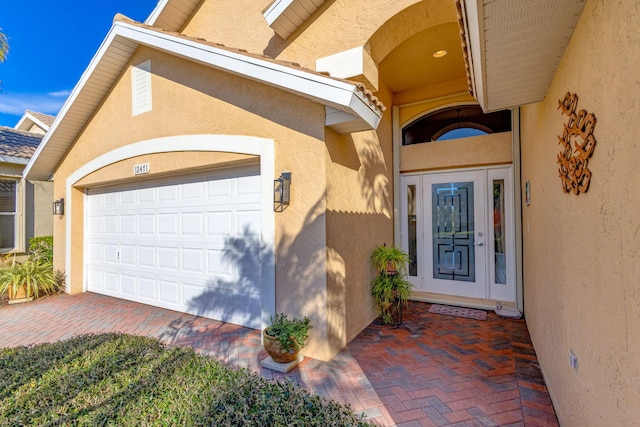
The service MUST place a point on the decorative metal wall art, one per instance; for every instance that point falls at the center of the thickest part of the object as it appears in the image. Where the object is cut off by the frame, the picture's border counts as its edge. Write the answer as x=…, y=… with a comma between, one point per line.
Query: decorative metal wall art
x=573, y=161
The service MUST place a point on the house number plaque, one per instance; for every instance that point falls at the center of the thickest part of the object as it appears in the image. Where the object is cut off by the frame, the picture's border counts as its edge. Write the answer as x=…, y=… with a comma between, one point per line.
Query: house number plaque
x=577, y=143
x=141, y=169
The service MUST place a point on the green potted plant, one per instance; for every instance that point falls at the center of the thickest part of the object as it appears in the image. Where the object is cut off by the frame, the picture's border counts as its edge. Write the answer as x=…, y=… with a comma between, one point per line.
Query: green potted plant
x=285, y=337
x=390, y=288
x=28, y=280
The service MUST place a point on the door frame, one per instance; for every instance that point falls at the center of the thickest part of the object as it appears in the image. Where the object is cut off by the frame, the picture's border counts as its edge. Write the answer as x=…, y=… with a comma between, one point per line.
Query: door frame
x=487, y=288
x=396, y=136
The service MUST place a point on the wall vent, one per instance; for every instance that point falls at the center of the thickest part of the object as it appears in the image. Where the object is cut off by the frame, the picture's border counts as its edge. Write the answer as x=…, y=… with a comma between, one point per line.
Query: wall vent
x=141, y=88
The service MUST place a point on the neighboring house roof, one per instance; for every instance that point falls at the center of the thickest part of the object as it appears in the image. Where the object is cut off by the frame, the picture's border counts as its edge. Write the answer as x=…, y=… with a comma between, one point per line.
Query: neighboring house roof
x=349, y=106
x=17, y=146
x=30, y=118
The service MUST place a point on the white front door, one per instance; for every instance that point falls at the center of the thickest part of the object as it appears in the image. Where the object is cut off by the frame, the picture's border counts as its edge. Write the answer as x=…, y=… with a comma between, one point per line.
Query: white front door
x=187, y=243
x=458, y=230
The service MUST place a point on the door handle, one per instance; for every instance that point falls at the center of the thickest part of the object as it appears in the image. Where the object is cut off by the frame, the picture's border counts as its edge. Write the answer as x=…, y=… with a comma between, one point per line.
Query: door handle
x=478, y=244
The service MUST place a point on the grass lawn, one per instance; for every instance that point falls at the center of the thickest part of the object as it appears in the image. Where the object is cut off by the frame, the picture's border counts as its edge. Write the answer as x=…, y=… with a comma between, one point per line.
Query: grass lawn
x=125, y=380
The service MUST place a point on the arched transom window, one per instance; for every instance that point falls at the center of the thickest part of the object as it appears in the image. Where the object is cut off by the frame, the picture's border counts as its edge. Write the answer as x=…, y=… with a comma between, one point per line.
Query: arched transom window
x=455, y=122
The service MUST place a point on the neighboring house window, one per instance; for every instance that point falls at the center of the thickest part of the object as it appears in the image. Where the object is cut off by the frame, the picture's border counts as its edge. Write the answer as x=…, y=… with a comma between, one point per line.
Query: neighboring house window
x=141, y=88
x=7, y=213
x=455, y=122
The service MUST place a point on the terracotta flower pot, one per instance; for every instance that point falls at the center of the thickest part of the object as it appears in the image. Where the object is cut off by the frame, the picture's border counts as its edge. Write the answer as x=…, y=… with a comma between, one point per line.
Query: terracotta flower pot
x=273, y=347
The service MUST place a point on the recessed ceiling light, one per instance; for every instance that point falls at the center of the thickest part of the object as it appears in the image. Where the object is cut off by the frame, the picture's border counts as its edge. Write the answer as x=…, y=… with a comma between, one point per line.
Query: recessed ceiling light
x=439, y=53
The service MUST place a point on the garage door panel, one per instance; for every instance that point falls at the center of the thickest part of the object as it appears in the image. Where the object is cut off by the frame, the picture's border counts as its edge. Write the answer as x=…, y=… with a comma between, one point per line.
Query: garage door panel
x=128, y=224
x=147, y=288
x=249, y=186
x=219, y=223
x=147, y=224
x=193, y=260
x=128, y=285
x=168, y=224
x=217, y=265
x=169, y=292
x=168, y=258
x=193, y=191
x=96, y=280
x=111, y=254
x=190, y=244
x=128, y=255
x=147, y=256
x=128, y=198
x=111, y=283
x=220, y=189
x=111, y=225
x=192, y=224
x=147, y=196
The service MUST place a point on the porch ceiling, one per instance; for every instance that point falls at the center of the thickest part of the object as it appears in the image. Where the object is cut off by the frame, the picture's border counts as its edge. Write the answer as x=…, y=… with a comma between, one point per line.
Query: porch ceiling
x=515, y=46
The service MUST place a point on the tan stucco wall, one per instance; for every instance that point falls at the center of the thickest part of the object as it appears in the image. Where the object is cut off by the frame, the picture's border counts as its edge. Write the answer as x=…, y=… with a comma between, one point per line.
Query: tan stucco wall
x=334, y=28
x=42, y=200
x=359, y=171
x=359, y=218
x=581, y=269
x=190, y=99
x=492, y=149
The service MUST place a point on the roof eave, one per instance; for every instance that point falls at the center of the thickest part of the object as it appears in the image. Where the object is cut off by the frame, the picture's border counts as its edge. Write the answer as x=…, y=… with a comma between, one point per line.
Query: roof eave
x=362, y=112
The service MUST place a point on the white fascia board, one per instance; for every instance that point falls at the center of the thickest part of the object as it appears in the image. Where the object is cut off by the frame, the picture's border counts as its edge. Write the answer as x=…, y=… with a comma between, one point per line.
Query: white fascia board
x=277, y=8
x=338, y=94
x=155, y=14
x=474, y=18
x=27, y=116
x=65, y=109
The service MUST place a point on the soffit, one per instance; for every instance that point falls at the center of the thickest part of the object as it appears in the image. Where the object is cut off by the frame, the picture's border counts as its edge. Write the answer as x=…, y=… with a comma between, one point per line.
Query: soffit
x=349, y=107
x=515, y=47
x=286, y=16
x=172, y=15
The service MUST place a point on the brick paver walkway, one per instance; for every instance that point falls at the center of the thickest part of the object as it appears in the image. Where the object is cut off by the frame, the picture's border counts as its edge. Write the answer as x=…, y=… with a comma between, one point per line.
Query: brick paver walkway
x=433, y=370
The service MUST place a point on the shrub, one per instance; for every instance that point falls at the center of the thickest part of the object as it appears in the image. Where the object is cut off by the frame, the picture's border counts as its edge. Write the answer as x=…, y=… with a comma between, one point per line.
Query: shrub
x=41, y=248
x=117, y=379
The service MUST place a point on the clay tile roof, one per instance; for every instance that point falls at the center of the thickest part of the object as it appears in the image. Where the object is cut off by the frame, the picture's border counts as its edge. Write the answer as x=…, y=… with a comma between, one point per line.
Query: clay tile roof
x=44, y=118
x=372, y=99
x=18, y=143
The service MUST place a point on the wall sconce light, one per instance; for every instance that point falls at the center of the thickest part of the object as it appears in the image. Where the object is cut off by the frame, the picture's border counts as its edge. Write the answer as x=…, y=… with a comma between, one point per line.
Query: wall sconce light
x=58, y=207
x=282, y=191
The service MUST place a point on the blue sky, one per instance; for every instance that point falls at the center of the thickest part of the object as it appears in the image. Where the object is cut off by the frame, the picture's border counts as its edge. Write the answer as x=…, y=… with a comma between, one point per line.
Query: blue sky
x=50, y=45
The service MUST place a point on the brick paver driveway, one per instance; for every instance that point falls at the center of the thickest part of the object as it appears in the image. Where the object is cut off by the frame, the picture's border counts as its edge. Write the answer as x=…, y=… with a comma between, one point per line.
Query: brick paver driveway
x=433, y=370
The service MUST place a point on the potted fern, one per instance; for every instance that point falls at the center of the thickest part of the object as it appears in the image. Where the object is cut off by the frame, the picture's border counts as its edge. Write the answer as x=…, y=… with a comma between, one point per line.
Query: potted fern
x=390, y=288
x=285, y=337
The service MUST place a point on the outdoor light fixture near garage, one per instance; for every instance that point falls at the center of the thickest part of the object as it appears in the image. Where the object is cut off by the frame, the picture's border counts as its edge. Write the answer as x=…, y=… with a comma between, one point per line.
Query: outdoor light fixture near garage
x=282, y=191
x=58, y=207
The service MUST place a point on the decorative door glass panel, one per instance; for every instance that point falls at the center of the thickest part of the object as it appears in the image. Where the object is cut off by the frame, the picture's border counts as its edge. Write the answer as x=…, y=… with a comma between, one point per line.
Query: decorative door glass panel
x=499, y=232
x=412, y=230
x=453, y=231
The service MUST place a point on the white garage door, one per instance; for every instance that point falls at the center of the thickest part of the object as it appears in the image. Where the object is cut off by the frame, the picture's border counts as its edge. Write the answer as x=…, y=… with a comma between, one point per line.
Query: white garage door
x=188, y=243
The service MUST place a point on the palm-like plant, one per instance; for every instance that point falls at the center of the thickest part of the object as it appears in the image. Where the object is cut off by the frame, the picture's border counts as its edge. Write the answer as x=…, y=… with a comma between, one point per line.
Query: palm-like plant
x=29, y=278
x=390, y=288
x=4, y=46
